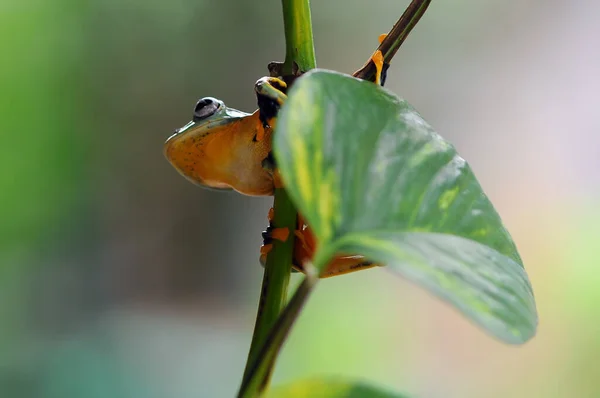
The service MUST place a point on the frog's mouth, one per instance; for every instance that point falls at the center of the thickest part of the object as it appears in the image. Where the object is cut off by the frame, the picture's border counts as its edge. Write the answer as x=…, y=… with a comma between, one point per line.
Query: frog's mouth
x=223, y=116
x=180, y=131
x=195, y=128
x=184, y=128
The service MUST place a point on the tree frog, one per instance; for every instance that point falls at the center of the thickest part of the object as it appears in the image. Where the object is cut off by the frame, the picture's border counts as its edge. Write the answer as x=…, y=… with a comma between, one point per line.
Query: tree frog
x=226, y=149
x=223, y=148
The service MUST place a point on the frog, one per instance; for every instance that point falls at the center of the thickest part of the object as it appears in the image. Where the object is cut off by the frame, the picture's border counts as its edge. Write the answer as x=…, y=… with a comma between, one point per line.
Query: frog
x=223, y=148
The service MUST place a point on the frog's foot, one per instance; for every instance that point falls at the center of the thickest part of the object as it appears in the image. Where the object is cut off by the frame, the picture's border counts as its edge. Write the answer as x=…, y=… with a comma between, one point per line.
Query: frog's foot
x=377, y=59
x=381, y=67
x=264, y=252
x=342, y=265
x=270, y=95
x=384, y=66
x=304, y=249
x=280, y=234
x=271, y=87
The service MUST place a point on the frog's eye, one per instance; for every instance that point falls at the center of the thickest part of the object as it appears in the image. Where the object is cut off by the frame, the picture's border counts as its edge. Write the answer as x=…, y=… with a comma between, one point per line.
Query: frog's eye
x=206, y=107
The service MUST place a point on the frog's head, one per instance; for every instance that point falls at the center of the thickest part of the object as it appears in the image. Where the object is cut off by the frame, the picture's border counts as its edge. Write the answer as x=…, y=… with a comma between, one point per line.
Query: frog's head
x=210, y=117
x=202, y=150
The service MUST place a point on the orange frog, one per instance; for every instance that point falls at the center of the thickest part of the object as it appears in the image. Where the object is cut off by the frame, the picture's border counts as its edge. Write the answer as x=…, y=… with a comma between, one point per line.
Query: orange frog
x=226, y=149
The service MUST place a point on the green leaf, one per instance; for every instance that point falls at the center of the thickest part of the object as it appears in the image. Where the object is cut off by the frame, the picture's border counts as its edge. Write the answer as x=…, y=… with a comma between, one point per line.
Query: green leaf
x=328, y=388
x=371, y=177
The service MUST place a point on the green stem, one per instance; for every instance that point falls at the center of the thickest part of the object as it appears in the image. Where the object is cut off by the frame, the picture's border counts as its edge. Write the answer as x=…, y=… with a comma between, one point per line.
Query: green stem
x=261, y=367
x=275, y=279
x=300, y=49
x=300, y=57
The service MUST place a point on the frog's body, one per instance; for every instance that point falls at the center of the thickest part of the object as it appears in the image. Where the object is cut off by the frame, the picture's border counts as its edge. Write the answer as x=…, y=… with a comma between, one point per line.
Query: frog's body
x=223, y=148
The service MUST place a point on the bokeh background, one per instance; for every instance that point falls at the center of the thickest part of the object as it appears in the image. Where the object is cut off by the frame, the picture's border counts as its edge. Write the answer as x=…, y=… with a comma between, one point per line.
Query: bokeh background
x=118, y=278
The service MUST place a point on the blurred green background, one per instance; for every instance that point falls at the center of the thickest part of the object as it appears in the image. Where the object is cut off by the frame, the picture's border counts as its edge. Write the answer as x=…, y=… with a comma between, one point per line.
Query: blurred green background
x=118, y=278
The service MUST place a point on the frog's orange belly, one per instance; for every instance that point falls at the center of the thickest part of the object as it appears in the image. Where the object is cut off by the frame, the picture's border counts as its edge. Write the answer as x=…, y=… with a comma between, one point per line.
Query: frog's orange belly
x=246, y=179
x=224, y=163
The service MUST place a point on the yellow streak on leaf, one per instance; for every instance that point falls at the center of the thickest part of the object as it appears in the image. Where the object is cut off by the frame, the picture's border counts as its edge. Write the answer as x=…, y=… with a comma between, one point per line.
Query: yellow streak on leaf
x=328, y=205
x=303, y=177
x=447, y=198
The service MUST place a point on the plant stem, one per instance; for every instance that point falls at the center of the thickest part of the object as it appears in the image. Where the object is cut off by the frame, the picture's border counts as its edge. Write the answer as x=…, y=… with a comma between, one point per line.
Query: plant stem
x=275, y=279
x=259, y=369
x=396, y=37
x=272, y=325
x=297, y=24
x=300, y=56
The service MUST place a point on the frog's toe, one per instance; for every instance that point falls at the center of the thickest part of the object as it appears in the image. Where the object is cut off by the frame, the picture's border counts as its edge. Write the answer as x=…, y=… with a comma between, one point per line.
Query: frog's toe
x=377, y=59
x=271, y=87
x=264, y=252
x=270, y=95
x=281, y=234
